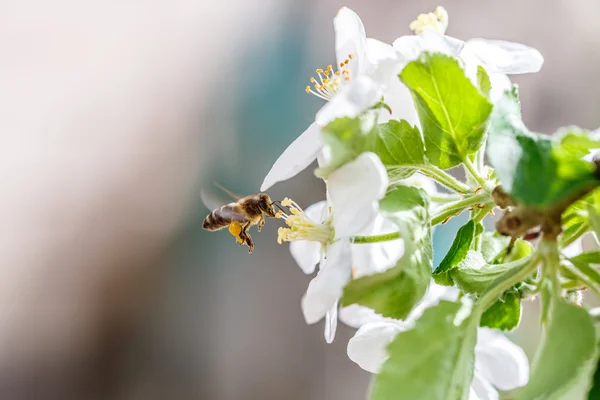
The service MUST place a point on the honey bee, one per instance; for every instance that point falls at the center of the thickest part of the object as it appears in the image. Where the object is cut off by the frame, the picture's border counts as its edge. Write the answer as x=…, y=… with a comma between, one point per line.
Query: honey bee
x=240, y=216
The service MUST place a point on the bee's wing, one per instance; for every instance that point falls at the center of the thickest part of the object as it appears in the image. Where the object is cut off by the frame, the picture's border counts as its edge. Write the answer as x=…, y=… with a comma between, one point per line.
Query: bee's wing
x=211, y=200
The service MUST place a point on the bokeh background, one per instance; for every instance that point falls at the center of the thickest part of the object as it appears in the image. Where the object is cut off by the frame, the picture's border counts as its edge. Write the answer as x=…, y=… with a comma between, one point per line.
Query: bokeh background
x=114, y=115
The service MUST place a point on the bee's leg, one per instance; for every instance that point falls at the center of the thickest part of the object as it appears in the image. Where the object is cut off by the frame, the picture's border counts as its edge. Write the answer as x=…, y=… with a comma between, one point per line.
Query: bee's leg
x=250, y=244
x=247, y=238
x=261, y=222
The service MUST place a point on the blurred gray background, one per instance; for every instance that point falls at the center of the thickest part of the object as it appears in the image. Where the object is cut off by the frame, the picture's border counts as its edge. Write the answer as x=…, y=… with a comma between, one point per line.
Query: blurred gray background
x=115, y=114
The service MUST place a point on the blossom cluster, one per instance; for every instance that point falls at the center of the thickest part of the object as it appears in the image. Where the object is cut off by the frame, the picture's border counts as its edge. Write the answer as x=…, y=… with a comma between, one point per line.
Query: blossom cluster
x=396, y=117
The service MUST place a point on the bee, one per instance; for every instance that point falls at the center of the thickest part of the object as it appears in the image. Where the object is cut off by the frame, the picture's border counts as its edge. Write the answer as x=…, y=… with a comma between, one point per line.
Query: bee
x=240, y=216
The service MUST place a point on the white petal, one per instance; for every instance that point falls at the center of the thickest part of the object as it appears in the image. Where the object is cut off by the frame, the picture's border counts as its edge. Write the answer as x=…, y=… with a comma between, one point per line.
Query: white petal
x=500, y=361
x=350, y=38
x=331, y=319
x=395, y=94
x=368, y=259
x=472, y=394
x=368, y=346
x=306, y=254
x=500, y=83
x=357, y=316
x=299, y=155
x=435, y=293
x=317, y=211
x=355, y=98
x=423, y=182
x=411, y=46
x=354, y=190
x=506, y=57
x=483, y=389
x=378, y=51
x=326, y=288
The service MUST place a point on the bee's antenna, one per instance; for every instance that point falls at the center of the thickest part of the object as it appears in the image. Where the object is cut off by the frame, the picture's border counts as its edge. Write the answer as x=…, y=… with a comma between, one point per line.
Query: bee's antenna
x=229, y=192
x=277, y=203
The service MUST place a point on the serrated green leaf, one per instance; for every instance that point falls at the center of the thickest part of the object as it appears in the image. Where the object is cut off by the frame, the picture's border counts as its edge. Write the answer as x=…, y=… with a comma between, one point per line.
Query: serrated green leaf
x=532, y=168
x=504, y=314
x=473, y=275
x=568, y=343
x=433, y=361
x=483, y=80
x=453, y=113
x=399, y=145
x=394, y=292
x=457, y=252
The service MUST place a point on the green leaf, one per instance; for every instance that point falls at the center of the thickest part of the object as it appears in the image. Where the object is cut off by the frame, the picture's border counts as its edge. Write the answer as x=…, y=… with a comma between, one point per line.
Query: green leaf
x=494, y=248
x=483, y=80
x=582, y=263
x=568, y=343
x=399, y=145
x=346, y=138
x=504, y=314
x=433, y=361
x=394, y=292
x=594, y=219
x=453, y=113
x=532, y=168
x=578, y=142
x=457, y=252
x=473, y=275
x=580, y=387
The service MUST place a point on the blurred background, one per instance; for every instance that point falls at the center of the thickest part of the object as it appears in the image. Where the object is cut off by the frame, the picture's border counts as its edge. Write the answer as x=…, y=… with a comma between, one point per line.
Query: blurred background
x=114, y=114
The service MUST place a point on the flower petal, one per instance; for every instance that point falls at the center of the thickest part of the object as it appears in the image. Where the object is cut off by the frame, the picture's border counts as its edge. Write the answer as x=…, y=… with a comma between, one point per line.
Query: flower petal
x=506, y=57
x=350, y=39
x=395, y=94
x=423, y=182
x=306, y=254
x=435, y=293
x=500, y=361
x=378, y=51
x=411, y=46
x=368, y=346
x=355, y=98
x=356, y=316
x=331, y=320
x=317, y=211
x=326, y=288
x=368, y=259
x=483, y=389
x=299, y=155
x=500, y=83
x=353, y=190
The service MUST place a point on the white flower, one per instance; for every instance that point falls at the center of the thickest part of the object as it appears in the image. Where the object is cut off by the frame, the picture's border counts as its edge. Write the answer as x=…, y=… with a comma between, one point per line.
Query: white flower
x=497, y=57
x=320, y=235
x=360, y=79
x=499, y=363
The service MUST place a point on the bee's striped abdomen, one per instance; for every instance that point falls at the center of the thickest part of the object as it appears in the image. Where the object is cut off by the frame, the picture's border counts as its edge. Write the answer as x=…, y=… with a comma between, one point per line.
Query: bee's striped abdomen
x=222, y=217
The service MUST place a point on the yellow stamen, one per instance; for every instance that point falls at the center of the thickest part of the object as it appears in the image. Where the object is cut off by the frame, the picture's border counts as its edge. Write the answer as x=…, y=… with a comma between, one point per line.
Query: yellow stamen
x=324, y=86
x=437, y=20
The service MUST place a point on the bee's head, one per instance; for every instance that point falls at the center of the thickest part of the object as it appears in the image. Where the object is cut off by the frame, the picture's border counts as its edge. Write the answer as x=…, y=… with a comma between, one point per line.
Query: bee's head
x=266, y=205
